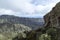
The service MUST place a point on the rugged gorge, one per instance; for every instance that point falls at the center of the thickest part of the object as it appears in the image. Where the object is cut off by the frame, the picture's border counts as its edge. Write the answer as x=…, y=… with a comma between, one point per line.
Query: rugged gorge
x=11, y=26
x=33, y=23
x=13, y=23
x=50, y=30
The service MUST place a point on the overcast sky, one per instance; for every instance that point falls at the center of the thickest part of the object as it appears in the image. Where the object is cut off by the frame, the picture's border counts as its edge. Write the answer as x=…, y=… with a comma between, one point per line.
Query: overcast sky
x=26, y=8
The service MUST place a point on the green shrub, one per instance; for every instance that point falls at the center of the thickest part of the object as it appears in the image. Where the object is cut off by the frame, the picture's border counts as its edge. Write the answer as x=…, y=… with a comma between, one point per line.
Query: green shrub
x=53, y=33
x=45, y=37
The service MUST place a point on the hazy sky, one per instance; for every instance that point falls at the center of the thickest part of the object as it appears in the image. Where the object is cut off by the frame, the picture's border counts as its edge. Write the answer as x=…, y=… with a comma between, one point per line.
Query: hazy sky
x=26, y=8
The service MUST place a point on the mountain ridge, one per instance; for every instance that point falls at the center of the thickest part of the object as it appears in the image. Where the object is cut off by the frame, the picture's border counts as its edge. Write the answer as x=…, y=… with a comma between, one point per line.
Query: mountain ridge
x=31, y=22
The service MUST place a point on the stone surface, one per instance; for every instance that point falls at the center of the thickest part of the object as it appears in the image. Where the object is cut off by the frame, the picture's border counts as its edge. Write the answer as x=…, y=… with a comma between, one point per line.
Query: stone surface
x=53, y=17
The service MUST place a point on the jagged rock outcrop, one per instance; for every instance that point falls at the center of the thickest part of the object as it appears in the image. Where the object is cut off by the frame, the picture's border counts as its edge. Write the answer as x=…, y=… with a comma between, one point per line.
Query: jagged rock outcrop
x=52, y=19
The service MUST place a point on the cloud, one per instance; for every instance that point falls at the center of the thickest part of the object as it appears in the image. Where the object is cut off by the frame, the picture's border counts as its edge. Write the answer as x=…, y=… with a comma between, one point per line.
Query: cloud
x=26, y=8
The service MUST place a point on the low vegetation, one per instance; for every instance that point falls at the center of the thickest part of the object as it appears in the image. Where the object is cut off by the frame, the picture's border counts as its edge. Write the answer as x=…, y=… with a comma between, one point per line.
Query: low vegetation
x=49, y=34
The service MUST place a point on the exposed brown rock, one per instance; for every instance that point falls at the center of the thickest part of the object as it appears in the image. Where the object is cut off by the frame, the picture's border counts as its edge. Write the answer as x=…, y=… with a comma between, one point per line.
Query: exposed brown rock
x=53, y=16
x=52, y=19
